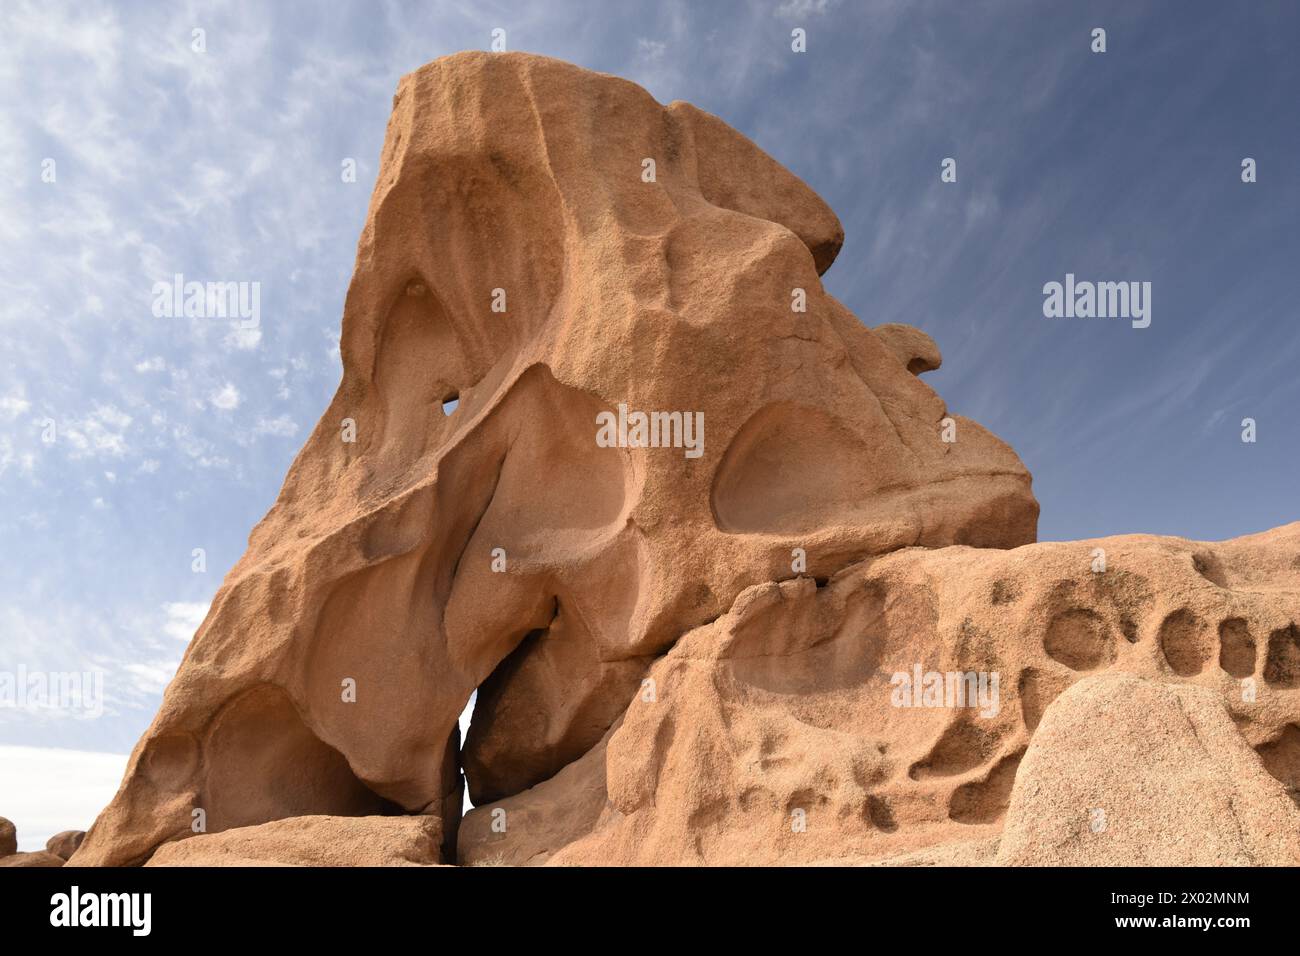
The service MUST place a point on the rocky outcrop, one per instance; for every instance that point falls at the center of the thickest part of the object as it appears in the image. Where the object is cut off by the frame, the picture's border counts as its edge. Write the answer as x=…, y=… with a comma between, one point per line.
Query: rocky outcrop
x=732, y=583
x=313, y=841
x=1131, y=772
x=64, y=844
x=39, y=858
x=794, y=728
x=10, y=857
x=551, y=248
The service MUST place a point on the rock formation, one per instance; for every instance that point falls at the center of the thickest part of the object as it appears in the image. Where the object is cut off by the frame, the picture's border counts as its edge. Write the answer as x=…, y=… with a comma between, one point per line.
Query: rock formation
x=685, y=526
x=781, y=733
x=10, y=857
x=8, y=838
x=64, y=844
x=314, y=841
x=1131, y=772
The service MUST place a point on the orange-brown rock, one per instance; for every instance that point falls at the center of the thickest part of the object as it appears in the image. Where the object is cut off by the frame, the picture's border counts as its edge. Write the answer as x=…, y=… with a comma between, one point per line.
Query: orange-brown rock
x=313, y=841
x=1131, y=772
x=777, y=733
x=37, y=858
x=547, y=246
x=803, y=620
x=8, y=838
x=64, y=844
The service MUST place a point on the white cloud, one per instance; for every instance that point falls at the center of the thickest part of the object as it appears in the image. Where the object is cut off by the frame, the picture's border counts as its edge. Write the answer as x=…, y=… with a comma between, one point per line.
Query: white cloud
x=11, y=406
x=45, y=790
x=651, y=49
x=226, y=398
x=282, y=426
x=243, y=339
x=802, y=8
x=102, y=432
x=155, y=364
x=151, y=677
x=184, y=618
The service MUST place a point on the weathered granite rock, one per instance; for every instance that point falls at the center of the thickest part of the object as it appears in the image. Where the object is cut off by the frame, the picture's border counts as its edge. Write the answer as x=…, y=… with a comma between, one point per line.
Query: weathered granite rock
x=313, y=841
x=519, y=258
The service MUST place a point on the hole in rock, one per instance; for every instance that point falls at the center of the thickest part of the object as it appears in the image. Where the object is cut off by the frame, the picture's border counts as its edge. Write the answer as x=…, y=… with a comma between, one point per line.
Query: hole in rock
x=466, y=717
x=450, y=403
x=1037, y=689
x=1207, y=565
x=1183, y=641
x=1079, y=639
x=1281, y=757
x=1282, y=665
x=1236, y=647
x=962, y=747
x=986, y=800
x=880, y=814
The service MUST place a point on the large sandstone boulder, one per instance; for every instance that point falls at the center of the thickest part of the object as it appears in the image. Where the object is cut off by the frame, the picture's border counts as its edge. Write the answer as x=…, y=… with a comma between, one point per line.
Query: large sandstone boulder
x=802, y=620
x=559, y=254
x=1131, y=772
x=8, y=838
x=313, y=841
x=64, y=844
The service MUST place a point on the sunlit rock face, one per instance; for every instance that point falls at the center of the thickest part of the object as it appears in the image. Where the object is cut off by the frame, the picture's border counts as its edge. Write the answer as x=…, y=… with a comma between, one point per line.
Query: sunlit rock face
x=553, y=250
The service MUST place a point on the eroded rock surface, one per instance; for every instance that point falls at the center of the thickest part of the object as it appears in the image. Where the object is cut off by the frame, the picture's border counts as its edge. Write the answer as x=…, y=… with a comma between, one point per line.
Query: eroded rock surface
x=776, y=734
x=685, y=644
x=1132, y=772
x=313, y=841
x=41, y=858
x=517, y=181
x=64, y=844
x=8, y=838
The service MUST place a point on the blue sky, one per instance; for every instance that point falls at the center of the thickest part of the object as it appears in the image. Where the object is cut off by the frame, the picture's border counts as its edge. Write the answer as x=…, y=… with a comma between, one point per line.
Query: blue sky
x=174, y=434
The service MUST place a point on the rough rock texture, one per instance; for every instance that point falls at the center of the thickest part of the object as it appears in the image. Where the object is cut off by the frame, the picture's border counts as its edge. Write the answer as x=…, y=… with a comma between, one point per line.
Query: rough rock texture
x=36, y=858
x=1130, y=772
x=786, y=703
x=313, y=841
x=64, y=844
x=8, y=838
x=524, y=174
x=685, y=651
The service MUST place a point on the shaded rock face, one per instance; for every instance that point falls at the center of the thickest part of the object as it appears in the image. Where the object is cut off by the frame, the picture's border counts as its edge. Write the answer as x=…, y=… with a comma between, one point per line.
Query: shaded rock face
x=521, y=257
x=8, y=838
x=64, y=844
